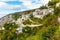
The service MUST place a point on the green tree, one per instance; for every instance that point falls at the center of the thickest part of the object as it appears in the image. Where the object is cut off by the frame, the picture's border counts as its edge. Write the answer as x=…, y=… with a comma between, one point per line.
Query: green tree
x=49, y=33
x=26, y=30
x=52, y=3
x=57, y=11
x=34, y=31
x=43, y=7
x=27, y=22
x=50, y=20
x=10, y=31
x=16, y=15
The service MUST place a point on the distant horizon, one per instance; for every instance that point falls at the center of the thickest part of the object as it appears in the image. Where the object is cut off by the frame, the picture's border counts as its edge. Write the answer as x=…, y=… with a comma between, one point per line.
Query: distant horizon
x=12, y=6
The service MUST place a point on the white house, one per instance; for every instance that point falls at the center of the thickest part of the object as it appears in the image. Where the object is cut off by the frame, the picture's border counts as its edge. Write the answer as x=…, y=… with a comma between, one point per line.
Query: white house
x=51, y=10
x=40, y=13
x=19, y=30
x=58, y=4
x=2, y=28
x=24, y=17
x=37, y=13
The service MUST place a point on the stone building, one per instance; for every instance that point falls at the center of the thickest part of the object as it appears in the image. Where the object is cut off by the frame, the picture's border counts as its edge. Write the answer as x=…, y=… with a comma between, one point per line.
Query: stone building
x=5, y=19
x=41, y=13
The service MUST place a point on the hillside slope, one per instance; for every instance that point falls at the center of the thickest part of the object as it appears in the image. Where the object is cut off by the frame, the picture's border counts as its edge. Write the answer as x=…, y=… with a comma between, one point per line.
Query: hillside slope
x=38, y=24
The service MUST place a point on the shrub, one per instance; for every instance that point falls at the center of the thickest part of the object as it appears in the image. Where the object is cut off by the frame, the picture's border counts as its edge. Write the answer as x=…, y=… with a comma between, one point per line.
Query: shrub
x=43, y=7
x=16, y=16
x=49, y=33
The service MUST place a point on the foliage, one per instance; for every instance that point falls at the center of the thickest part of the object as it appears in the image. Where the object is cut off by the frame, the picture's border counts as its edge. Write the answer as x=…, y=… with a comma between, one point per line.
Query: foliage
x=57, y=11
x=57, y=34
x=46, y=16
x=49, y=33
x=36, y=20
x=26, y=30
x=28, y=11
x=29, y=31
x=34, y=31
x=32, y=20
x=26, y=22
x=50, y=20
x=55, y=0
x=21, y=36
x=52, y=4
x=10, y=25
x=16, y=15
x=43, y=7
x=10, y=31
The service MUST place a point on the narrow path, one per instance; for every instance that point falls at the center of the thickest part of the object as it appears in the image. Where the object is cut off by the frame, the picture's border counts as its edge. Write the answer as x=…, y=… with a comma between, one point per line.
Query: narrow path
x=31, y=21
x=32, y=25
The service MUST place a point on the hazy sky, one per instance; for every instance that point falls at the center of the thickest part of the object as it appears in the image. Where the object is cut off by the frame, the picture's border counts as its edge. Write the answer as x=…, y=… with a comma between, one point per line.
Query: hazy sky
x=10, y=6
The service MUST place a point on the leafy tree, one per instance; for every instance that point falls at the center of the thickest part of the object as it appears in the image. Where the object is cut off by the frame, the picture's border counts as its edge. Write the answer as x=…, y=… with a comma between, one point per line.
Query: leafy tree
x=34, y=31
x=30, y=31
x=43, y=7
x=28, y=11
x=10, y=31
x=16, y=15
x=10, y=25
x=26, y=30
x=55, y=0
x=49, y=33
x=46, y=16
x=26, y=22
x=52, y=3
x=57, y=11
x=50, y=20
x=21, y=36
x=36, y=20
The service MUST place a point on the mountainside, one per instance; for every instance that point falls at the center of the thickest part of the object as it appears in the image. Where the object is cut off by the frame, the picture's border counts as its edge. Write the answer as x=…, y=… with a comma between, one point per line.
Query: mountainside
x=38, y=24
x=39, y=13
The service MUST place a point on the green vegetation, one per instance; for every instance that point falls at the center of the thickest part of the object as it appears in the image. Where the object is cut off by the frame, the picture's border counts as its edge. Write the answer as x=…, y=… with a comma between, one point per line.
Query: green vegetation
x=29, y=30
x=43, y=7
x=19, y=14
x=9, y=32
x=55, y=0
x=50, y=20
x=52, y=4
x=16, y=15
x=27, y=22
x=32, y=20
x=48, y=34
x=35, y=20
x=57, y=11
x=28, y=11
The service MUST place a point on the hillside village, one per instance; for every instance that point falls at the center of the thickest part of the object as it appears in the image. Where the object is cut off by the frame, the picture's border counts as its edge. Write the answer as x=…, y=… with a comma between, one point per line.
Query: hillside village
x=33, y=19
x=37, y=13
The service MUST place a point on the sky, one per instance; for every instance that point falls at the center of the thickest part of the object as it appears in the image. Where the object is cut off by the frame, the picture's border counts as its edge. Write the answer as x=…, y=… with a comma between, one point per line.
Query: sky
x=11, y=6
